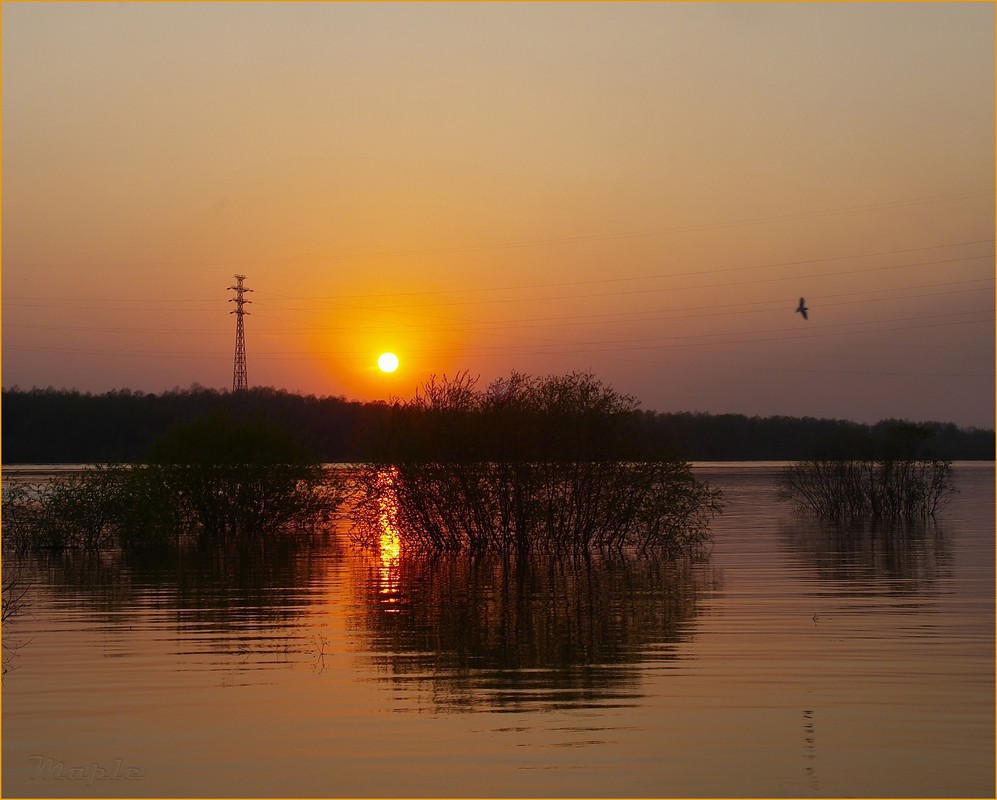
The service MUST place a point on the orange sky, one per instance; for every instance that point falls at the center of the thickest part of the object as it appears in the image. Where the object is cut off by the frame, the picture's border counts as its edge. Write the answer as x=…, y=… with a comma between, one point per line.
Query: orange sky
x=643, y=190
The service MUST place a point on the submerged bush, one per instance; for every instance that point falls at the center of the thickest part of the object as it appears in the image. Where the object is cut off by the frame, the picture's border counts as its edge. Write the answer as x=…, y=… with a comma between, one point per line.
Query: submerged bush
x=211, y=477
x=527, y=464
x=887, y=488
x=76, y=510
x=227, y=499
x=549, y=506
x=221, y=476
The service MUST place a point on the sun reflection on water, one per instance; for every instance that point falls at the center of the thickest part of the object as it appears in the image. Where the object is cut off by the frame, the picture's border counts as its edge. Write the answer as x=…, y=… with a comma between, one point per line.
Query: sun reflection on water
x=389, y=547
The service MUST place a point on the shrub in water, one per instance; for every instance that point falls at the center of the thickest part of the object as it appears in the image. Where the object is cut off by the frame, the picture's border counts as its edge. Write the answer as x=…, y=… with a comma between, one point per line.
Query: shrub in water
x=222, y=476
x=212, y=476
x=886, y=488
x=529, y=463
x=78, y=510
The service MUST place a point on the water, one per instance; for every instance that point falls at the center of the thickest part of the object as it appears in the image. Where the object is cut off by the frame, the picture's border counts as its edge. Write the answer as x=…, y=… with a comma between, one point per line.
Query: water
x=796, y=660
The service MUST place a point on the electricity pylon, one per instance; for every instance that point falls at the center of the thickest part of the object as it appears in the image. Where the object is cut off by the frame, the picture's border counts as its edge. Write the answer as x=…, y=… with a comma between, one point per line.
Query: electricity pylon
x=239, y=369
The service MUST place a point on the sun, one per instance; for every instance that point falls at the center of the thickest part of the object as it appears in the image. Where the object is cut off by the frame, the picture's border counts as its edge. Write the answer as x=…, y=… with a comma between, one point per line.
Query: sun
x=387, y=362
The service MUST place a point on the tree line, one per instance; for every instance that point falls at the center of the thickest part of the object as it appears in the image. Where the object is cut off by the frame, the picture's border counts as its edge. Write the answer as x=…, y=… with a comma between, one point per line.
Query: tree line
x=58, y=426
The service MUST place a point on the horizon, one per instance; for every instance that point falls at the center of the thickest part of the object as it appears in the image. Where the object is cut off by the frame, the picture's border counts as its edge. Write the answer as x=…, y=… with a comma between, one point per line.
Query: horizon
x=641, y=191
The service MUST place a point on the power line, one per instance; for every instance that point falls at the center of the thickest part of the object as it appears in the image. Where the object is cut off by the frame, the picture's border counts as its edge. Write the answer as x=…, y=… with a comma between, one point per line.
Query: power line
x=608, y=318
x=629, y=279
x=586, y=348
x=659, y=315
x=46, y=302
x=645, y=291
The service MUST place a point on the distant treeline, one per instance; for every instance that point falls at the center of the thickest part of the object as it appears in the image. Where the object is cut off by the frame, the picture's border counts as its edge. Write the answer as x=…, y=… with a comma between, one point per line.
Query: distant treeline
x=48, y=426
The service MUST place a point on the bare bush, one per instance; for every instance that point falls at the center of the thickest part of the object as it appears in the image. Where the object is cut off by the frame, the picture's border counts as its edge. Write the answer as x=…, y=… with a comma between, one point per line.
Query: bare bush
x=886, y=488
x=527, y=464
x=210, y=477
x=75, y=510
x=552, y=506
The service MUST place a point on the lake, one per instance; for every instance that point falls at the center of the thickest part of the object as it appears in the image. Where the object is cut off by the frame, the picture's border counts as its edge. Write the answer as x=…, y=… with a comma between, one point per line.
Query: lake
x=796, y=659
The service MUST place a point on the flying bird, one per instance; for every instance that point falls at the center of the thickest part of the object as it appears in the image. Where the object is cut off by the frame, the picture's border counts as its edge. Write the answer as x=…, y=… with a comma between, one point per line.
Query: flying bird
x=802, y=308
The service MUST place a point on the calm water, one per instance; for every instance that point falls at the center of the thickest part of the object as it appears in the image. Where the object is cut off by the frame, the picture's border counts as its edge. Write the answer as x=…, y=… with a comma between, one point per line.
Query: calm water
x=797, y=660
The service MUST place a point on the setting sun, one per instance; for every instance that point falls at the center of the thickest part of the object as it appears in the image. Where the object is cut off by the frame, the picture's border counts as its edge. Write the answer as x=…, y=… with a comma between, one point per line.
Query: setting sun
x=387, y=362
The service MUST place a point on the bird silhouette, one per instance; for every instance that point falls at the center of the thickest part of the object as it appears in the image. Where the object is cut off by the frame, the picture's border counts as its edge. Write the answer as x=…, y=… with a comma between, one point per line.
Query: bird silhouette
x=802, y=308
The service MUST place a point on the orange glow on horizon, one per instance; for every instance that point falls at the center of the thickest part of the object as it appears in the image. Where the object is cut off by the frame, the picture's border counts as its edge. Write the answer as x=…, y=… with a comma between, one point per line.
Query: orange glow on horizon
x=354, y=339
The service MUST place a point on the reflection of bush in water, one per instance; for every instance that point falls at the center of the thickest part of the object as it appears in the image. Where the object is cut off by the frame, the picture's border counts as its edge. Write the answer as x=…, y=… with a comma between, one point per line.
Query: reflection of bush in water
x=903, y=556
x=262, y=583
x=500, y=631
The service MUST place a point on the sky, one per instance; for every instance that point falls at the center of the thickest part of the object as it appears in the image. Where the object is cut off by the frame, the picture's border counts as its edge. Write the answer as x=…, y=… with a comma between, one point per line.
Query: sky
x=643, y=191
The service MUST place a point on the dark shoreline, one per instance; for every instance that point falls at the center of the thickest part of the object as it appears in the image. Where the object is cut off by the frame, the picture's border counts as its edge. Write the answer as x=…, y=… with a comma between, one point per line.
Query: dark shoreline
x=48, y=426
